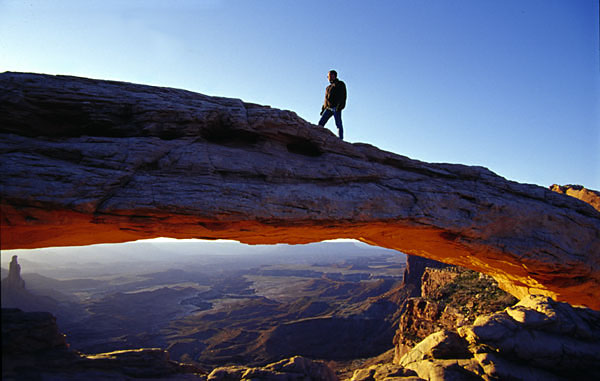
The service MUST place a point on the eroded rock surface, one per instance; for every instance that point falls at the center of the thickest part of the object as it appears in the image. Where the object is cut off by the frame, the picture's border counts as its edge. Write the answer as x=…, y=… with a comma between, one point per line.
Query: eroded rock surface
x=450, y=298
x=580, y=192
x=87, y=161
x=296, y=368
x=537, y=339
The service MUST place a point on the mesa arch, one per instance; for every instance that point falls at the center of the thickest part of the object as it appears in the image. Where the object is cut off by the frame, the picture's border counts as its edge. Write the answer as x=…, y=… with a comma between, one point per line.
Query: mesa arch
x=88, y=161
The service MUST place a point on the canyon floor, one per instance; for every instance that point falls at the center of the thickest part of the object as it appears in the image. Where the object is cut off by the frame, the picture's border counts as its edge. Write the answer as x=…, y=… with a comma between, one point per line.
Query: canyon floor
x=343, y=304
x=225, y=309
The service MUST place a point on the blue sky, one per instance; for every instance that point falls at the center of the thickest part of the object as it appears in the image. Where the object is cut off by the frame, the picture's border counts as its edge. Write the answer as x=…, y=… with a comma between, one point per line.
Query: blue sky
x=511, y=85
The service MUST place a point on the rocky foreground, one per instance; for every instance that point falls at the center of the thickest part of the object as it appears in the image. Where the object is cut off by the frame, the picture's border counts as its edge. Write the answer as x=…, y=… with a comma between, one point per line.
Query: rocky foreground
x=537, y=339
x=88, y=161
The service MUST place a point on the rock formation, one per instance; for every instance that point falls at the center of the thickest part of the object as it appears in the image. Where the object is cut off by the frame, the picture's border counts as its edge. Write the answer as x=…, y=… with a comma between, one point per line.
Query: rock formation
x=87, y=161
x=14, y=280
x=592, y=197
x=415, y=268
x=292, y=369
x=450, y=298
x=537, y=339
x=33, y=348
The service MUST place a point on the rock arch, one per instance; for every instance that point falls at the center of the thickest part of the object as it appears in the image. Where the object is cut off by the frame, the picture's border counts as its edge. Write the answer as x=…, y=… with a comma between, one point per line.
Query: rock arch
x=87, y=161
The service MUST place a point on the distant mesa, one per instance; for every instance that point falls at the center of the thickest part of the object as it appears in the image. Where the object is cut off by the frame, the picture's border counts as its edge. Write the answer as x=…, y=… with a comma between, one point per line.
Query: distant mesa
x=89, y=161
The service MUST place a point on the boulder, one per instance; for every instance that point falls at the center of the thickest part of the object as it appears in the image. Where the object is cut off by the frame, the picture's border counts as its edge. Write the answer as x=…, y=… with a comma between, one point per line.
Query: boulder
x=537, y=339
x=452, y=297
x=89, y=161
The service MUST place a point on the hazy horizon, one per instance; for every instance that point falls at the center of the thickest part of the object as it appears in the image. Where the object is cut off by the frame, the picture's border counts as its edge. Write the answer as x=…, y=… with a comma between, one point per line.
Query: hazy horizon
x=154, y=254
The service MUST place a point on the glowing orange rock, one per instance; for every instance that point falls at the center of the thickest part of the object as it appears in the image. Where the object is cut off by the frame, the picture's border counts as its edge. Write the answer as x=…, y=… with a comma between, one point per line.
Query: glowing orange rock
x=86, y=161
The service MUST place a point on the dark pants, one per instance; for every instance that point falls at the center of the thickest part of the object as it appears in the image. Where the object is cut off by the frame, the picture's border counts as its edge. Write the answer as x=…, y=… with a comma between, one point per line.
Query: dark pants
x=337, y=115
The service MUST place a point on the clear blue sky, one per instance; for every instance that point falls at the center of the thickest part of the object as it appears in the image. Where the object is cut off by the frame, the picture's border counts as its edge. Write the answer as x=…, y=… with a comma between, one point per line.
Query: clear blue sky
x=512, y=85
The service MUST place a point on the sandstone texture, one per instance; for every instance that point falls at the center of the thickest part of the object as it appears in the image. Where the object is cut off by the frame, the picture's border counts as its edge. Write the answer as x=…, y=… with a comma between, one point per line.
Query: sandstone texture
x=415, y=268
x=451, y=297
x=537, y=339
x=88, y=161
x=296, y=368
x=580, y=192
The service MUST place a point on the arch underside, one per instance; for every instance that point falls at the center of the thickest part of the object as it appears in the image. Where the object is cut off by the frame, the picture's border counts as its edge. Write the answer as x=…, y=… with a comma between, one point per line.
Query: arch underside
x=86, y=161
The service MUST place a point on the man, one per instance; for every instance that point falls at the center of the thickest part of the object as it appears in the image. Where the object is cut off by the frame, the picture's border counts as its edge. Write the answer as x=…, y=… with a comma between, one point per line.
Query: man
x=335, y=101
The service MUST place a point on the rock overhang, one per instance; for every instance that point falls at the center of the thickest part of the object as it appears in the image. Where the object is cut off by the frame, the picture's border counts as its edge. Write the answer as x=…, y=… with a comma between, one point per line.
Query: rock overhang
x=88, y=161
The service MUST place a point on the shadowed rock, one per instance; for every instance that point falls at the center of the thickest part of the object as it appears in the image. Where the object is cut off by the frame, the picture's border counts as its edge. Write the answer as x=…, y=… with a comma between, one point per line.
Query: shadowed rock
x=87, y=161
x=14, y=280
x=34, y=349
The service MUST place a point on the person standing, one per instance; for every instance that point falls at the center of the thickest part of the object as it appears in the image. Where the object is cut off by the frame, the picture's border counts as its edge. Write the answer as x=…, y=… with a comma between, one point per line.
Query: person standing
x=335, y=101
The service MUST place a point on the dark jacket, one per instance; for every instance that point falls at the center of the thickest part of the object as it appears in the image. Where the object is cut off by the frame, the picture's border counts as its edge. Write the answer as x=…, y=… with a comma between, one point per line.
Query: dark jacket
x=335, y=95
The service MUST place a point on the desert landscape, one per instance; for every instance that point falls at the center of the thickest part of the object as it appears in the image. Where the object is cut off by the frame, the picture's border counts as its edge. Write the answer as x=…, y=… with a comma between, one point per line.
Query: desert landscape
x=444, y=271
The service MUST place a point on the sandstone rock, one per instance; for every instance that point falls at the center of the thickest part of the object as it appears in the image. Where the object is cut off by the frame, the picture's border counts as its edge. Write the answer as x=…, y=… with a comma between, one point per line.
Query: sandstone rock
x=452, y=297
x=543, y=333
x=87, y=161
x=14, y=280
x=446, y=370
x=434, y=279
x=138, y=363
x=590, y=196
x=537, y=339
x=384, y=372
x=415, y=268
x=440, y=345
x=296, y=368
x=419, y=319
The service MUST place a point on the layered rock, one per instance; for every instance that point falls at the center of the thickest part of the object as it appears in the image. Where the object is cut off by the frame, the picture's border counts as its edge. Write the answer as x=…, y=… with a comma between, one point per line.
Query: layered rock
x=293, y=369
x=537, y=339
x=415, y=268
x=580, y=192
x=387, y=372
x=451, y=297
x=87, y=161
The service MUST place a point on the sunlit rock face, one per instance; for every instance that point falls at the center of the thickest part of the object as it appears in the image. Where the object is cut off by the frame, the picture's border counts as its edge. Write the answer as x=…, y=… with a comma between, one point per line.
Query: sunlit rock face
x=87, y=161
x=537, y=339
x=590, y=196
